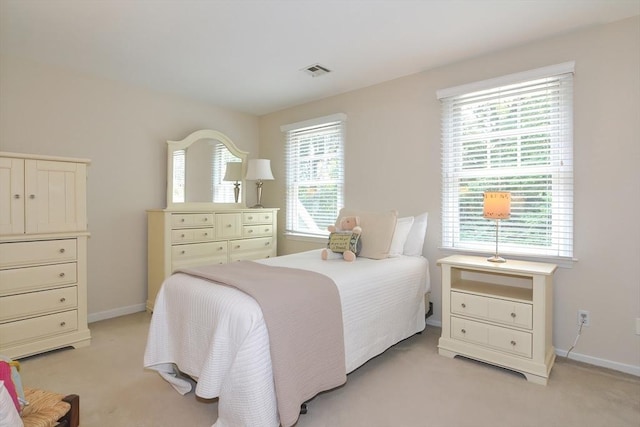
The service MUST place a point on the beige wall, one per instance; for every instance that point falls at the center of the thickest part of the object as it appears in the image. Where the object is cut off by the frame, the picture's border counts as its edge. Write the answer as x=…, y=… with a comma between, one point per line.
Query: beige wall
x=393, y=161
x=123, y=130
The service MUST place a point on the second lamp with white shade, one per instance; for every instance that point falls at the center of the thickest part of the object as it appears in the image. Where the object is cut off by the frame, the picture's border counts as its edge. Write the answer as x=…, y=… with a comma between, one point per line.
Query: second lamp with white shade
x=259, y=170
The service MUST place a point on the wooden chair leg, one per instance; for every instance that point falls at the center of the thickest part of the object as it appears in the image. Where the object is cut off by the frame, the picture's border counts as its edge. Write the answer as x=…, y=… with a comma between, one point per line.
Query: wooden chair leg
x=72, y=418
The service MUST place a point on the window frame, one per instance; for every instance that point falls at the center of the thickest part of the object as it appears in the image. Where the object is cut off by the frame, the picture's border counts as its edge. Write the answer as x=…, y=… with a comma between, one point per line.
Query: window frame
x=452, y=171
x=292, y=229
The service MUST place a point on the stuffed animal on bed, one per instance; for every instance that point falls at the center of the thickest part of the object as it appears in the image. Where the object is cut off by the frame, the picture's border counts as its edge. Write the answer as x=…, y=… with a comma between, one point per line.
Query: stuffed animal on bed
x=344, y=240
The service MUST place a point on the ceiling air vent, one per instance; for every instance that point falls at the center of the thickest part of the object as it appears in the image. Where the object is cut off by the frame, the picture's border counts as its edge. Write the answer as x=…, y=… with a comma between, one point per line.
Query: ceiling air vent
x=316, y=70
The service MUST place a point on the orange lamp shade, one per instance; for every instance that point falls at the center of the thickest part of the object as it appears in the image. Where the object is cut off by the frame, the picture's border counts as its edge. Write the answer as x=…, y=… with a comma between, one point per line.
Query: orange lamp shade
x=497, y=205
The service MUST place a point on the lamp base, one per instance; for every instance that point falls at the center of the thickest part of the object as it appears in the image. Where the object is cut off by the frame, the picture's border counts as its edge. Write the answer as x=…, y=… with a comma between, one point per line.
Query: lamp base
x=496, y=258
x=257, y=206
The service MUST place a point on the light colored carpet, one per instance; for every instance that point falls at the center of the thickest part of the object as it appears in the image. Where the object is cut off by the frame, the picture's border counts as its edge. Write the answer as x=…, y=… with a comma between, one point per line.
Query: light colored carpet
x=409, y=385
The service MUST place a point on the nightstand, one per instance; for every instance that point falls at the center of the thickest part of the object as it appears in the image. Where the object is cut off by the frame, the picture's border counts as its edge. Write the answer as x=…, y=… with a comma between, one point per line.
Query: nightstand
x=500, y=314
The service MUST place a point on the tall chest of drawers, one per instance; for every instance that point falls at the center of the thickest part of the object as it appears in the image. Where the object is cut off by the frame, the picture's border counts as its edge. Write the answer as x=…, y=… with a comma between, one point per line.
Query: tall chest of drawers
x=499, y=313
x=183, y=238
x=43, y=254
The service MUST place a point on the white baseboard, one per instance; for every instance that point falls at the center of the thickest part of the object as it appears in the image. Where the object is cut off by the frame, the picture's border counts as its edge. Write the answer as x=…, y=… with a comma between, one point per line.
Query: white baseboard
x=603, y=363
x=434, y=322
x=109, y=314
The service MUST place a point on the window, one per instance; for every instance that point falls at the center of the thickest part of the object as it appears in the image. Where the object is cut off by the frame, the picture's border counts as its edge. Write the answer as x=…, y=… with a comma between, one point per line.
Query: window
x=510, y=134
x=314, y=175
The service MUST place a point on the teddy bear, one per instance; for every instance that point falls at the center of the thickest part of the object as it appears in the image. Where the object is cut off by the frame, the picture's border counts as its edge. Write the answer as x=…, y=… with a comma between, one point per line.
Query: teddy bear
x=344, y=240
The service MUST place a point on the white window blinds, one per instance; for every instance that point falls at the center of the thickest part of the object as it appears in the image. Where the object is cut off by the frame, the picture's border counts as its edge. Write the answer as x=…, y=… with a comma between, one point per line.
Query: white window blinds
x=516, y=137
x=314, y=175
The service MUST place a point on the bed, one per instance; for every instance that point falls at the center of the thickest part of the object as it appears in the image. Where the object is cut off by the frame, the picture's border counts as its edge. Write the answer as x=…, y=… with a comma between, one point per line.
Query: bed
x=214, y=337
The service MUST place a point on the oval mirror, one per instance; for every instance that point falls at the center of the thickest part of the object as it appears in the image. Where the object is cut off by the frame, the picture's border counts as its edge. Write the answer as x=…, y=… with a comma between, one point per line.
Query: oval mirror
x=199, y=173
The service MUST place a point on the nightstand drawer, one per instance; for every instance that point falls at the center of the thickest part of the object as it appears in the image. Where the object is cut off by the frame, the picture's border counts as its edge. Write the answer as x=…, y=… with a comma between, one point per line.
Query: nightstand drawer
x=38, y=327
x=36, y=303
x=18, y=280
x=502, y=339
x=492, y=309
x=191, y=220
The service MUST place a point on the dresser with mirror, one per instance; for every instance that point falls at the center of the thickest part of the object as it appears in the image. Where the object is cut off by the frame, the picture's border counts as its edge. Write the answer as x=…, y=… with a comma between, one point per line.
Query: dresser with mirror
x=206, y=220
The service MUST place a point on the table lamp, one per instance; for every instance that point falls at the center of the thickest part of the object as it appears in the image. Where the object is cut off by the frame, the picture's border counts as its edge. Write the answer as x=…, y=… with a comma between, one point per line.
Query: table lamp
x=497, y=205
x=234, y=173
x=259, y=170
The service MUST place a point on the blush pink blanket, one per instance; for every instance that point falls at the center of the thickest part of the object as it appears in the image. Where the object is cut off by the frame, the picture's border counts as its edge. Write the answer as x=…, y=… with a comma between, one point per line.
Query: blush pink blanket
x=303, y=315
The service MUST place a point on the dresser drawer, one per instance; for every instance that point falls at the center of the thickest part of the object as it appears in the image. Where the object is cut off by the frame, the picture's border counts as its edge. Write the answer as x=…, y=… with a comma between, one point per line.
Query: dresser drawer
x=37, y=303
x=248, y=245
x=37, y=252
x=191, y=220
x=492, y=309
x=502, y=339
x=257, y=218
x=257, y=230
x=38, y=327
x=20, y=280
x=192, y=235
x=228, y=225
x=198, y=250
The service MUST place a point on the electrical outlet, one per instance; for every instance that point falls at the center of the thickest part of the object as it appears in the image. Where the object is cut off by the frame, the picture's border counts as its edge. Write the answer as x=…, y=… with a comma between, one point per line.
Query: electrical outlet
x=637, y=325
x=583, y=318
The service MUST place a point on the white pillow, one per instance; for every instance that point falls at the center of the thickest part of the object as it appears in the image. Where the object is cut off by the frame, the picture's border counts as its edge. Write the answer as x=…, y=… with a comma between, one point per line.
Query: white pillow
x=415, y=239
x=9, y=416
x=403, y=227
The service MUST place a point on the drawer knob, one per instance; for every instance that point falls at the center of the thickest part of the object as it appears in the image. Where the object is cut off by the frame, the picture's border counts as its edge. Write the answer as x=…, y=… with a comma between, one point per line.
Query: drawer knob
x=63, y=324
x=206, y=219
x=206, y=234
x=250, y=218
x=513, y=342
x=63, y=299
x=464, y=331
x=183, y=252
x=220, y=248
x=463, y=305
x=32, y=196
x=250, y=231
x=16, y=196
x=61, y=250
x=237, y=246
x=267, y=243
x=182, y=235
x=228, y=225
x=61, y=274
x=267, y=217
x=513, y=315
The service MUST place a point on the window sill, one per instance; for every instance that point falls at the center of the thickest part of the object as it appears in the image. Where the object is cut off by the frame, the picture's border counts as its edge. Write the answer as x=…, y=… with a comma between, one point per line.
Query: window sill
x=562, y=262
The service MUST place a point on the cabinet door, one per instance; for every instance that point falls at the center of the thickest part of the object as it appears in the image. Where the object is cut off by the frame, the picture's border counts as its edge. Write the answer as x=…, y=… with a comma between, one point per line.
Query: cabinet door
x=11, y=196
x=55, y=196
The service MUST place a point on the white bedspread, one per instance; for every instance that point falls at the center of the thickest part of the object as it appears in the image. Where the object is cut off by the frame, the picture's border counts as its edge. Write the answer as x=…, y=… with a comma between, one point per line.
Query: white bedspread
x=216, y=334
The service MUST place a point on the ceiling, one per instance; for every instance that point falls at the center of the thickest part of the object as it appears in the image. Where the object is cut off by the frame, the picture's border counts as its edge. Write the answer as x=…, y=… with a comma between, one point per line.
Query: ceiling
x=246, y=55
